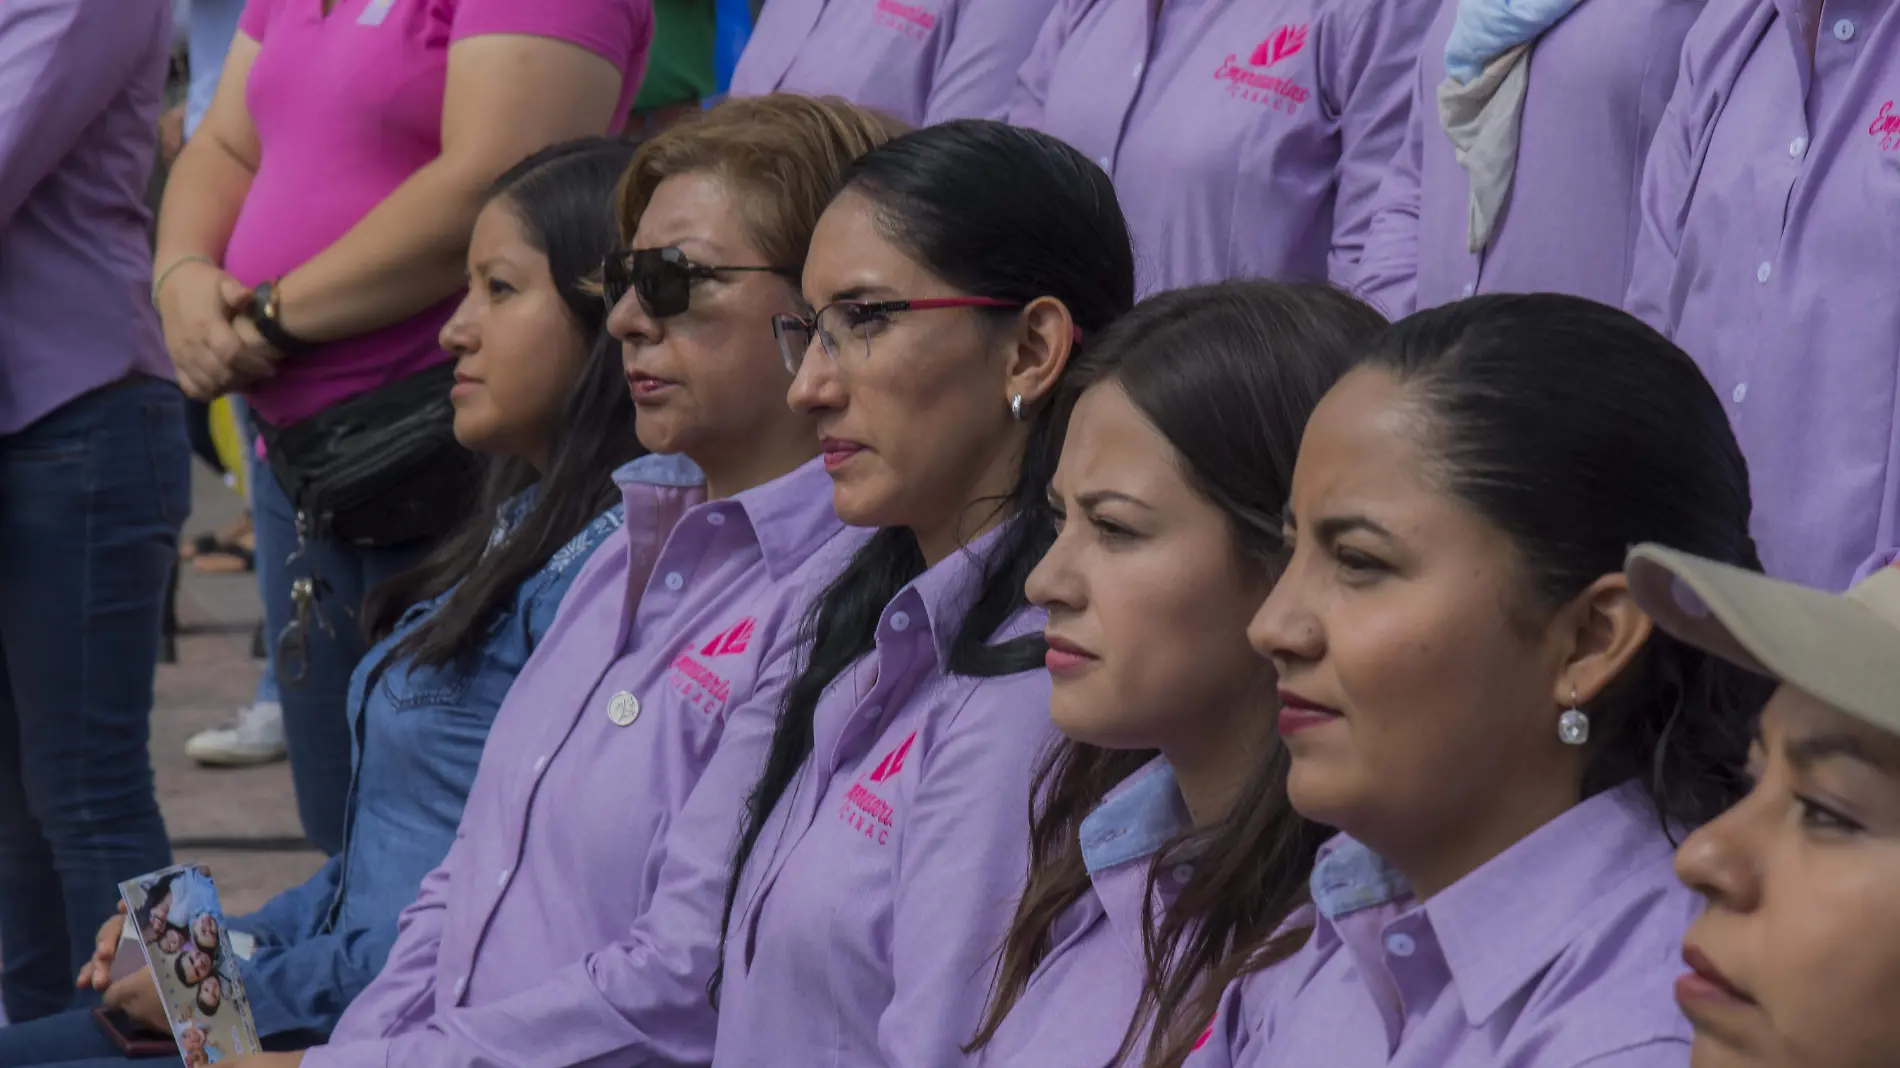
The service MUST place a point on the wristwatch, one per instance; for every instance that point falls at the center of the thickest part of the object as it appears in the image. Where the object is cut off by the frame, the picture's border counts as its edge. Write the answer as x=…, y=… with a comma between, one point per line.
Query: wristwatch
x=263, y=312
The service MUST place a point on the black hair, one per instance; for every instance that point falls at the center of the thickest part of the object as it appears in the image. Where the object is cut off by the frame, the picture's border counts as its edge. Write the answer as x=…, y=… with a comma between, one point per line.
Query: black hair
x=995, y=211
x=1580, y=432
x=562, y=196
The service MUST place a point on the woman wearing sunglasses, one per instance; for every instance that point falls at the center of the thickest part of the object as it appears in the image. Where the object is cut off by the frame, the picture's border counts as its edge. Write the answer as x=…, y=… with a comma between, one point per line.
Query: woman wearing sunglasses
x=888, y=832
x=574, y=921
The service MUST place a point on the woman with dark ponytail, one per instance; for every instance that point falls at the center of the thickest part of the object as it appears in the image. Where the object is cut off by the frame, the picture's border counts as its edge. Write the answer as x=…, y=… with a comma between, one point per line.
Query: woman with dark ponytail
x=1162, y=841
x=888, y=833
x=1471, y=694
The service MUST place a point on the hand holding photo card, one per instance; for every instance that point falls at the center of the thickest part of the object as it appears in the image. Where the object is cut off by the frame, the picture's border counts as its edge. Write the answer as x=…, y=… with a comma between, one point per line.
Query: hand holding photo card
x=181, y=929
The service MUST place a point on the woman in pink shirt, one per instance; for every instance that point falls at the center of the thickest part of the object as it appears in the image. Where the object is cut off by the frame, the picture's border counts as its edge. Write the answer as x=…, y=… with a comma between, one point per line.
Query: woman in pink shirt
x=310, y=249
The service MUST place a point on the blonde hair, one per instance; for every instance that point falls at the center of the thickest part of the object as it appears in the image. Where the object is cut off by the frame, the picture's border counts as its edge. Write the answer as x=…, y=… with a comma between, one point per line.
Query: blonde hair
x=783, y=155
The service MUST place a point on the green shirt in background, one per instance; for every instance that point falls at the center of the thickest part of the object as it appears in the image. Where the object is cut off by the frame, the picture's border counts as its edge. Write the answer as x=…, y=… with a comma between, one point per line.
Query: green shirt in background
x=680, y=62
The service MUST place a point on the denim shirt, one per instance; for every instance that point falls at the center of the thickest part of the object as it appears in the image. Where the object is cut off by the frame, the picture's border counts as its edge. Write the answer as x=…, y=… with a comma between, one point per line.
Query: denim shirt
x=417, y=739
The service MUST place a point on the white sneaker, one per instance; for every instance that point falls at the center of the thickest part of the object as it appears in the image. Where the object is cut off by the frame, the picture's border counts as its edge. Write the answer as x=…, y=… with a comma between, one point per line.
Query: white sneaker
x=256, y=738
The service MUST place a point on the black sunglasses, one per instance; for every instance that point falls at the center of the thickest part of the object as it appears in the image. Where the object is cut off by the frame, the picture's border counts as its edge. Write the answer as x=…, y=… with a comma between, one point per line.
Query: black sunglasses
x=662, y=278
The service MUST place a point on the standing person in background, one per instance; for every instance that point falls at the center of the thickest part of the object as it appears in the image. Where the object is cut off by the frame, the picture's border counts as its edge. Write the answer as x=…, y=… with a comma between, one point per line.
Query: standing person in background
x=1538, y=112
x=94, y=478
x=679, y=68
x=1245, y=137
x=922, y=61
x=339, y=171
x=257, y=735
x=1768, y=250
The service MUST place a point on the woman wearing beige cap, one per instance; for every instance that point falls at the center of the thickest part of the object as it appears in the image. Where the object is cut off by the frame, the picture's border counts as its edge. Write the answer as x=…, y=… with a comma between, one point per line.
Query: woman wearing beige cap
x=1797, y=960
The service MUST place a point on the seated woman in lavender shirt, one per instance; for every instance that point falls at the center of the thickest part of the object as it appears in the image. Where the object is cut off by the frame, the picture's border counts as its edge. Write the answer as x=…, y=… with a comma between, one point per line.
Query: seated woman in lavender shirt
x=1796, y=962
x=1170, y=489
x=1472, y=697
x=545, y=402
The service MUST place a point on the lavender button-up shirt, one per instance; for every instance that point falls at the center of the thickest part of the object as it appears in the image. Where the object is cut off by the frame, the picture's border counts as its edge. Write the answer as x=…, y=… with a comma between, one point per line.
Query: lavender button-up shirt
x=81, y=86
x=1769, y=251
x=575, y=921
x=867, y=921
x=922, y=61
x=1245, y=137
x=1599, y=81
x=1560, y=952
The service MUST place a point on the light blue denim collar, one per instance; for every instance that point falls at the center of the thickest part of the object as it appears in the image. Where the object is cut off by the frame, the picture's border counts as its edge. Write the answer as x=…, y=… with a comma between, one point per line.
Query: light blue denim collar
x=1138, y=817
x=654, y=469
x=1350, y=877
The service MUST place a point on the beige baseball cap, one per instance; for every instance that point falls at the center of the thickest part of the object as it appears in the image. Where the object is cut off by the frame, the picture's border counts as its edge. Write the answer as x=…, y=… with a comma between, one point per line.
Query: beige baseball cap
x=1843, y=649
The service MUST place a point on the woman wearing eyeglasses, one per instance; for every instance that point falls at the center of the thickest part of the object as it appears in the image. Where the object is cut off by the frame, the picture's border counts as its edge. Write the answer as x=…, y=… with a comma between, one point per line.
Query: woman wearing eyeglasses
x=574, y=921
x=888, y=833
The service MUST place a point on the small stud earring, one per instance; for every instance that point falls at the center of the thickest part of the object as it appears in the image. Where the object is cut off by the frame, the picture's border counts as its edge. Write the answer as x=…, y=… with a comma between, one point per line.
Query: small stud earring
x=1016, y=407
x=1573, y=726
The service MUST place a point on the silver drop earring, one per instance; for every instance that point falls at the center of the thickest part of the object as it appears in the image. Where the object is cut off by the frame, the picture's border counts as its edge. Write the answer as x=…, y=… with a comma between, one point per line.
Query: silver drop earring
x=1016, y=407
x=1573, y=726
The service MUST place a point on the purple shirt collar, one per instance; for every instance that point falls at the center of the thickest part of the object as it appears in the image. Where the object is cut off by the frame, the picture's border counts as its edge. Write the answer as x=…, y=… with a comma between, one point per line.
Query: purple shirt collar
x=1499, y=927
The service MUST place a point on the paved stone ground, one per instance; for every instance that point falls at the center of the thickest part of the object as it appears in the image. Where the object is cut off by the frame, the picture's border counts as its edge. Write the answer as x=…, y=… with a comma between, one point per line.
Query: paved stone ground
x=206, y=808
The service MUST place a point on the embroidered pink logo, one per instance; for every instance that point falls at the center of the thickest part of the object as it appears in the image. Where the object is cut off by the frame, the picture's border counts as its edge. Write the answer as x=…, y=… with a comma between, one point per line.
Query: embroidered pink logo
x=1285, y=41
x=705, y=689
x=863, y=810
x=732, y=641
x=1886, y=127
x=910, y=20
x=893, y=761
x=1249, y=80
x=1202, y=1041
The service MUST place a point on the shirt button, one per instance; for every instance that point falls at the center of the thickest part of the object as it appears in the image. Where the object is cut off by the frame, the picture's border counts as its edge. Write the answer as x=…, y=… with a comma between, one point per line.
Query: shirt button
x=1470, y=288
x=1762, y=272
x=1139, y=67
x=503, y=881
x=900, y=621
x=874, y=711
x=1183, y=872
x=540, y=764
x=1740, y=393
x=717, y=519
x=1797, y=146
x=1844, y=30
x=674, y=580
x=1400, y=945
x=1102, y=162
x=461, y=987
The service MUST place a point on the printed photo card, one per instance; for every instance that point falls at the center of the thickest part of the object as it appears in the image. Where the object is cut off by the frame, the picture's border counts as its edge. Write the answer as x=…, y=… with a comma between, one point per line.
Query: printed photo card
x=181, y=929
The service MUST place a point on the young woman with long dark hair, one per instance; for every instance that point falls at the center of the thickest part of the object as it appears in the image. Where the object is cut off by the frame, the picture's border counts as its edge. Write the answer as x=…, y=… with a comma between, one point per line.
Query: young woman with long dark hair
x=1471, y=695
x=543, y=401
x=1162, y=839
x=575, y=921
x=887, y=833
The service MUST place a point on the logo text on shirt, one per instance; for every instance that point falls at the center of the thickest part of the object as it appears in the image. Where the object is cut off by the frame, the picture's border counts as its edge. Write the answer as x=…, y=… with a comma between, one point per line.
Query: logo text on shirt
x=704, y=688
x=908, y=19
x=863, y=810
x=1886, y=127
x=1249, y=80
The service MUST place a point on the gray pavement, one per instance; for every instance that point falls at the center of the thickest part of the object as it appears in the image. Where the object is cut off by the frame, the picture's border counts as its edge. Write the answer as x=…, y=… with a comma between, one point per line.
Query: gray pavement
x=209, y=808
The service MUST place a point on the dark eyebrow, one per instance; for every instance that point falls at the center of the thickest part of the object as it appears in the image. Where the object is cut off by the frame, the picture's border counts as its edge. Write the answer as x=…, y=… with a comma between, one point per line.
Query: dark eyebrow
x=857, y=292
x=1805, y=752
x=1098, y=497
x=1332, y=528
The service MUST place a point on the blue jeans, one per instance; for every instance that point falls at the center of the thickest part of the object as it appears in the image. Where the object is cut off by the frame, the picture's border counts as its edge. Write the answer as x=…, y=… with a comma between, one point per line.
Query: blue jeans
x=316, y=721
x=91, y=500
x=68, y=1040
x=266, y=692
